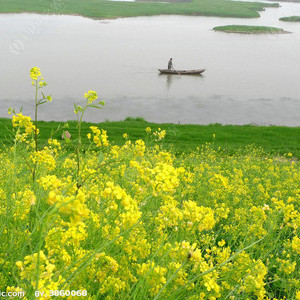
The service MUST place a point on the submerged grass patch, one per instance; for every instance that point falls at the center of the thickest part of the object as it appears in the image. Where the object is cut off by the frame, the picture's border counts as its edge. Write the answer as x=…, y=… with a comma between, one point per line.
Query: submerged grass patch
x=113, y=9
x=248, y=29
x=290, y=19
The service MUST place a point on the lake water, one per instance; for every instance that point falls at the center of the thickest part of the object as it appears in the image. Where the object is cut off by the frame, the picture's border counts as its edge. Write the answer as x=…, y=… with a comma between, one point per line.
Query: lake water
x=249, y=79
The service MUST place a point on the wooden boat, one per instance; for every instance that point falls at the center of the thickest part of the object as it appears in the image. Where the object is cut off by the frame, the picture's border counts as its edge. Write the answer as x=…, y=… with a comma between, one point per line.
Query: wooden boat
x=181, y=72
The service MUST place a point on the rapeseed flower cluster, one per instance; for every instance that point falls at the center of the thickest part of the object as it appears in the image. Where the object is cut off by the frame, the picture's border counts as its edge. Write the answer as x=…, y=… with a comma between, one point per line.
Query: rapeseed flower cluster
x=99, y=136
x=24, y=128
x=144, y=223
x=38, y=81
x=47, y=279
x=91, y=96
x=35, y=73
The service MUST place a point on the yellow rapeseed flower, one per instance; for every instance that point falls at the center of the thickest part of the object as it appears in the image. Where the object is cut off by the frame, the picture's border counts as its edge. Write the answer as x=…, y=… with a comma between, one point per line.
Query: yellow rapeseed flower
x=35, y=73
x=91, y=96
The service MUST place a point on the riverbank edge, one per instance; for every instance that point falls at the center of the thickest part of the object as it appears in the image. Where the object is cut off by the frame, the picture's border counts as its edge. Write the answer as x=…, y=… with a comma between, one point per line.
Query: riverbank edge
x=120, y=17
x=191, y=9
x=182, y=138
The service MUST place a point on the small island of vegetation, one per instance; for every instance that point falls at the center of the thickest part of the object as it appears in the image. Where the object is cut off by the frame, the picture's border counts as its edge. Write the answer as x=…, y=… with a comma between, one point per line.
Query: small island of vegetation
x=248, y=29
x=290, y=19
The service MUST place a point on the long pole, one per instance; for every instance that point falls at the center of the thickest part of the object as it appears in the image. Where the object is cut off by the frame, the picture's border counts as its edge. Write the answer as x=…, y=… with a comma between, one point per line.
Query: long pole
x=176, y=71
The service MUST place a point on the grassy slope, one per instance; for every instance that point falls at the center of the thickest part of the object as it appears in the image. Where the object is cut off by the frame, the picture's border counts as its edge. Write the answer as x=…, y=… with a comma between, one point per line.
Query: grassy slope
x=184, y=138
x=248, y=29
x=112, y=9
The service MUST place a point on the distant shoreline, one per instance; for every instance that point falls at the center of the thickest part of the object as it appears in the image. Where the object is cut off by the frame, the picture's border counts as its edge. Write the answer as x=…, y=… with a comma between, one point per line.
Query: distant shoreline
x=292, y=1
x=96, y=9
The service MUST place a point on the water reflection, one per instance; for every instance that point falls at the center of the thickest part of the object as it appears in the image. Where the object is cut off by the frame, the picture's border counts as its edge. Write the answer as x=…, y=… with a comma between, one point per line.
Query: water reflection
x=171, y=78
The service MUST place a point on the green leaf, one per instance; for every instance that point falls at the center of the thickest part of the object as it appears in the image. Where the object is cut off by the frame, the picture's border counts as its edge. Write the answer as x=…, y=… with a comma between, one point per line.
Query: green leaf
x=100, y=157
x=94, y=106
x=23, y=173
x=63, y=157
x=42, y=102
x=76, y=108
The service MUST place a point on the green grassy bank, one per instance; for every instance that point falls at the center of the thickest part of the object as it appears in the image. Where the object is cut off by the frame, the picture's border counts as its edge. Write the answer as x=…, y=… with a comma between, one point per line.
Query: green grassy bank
x=290, y=19
x=248, y=29
x=183, y=138
x=112, y=9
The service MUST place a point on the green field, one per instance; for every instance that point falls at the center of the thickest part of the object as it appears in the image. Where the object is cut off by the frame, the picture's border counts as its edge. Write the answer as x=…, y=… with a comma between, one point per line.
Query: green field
x=290, y=19
x=138, y=221
x=112, y=9
x=248, y=29
x=183, y=138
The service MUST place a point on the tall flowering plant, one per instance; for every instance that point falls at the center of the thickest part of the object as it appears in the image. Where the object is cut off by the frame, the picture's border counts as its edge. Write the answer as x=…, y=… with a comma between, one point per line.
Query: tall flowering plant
x=38, y=83
x=90, y=102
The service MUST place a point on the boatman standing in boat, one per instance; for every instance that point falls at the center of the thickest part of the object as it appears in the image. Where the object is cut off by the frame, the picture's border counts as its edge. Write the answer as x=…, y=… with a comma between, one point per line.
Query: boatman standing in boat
x=170, y=64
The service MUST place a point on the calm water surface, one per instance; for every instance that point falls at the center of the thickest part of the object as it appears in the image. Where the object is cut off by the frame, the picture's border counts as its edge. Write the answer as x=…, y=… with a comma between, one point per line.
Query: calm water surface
x=248, y=78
